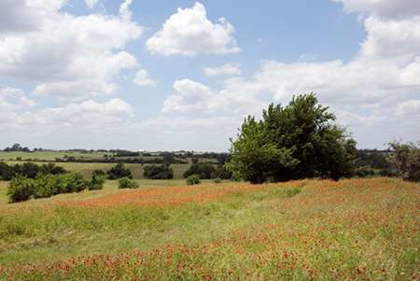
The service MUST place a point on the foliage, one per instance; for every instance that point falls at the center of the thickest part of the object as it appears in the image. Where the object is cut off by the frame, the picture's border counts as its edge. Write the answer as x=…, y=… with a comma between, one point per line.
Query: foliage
x=203, y=170
x=158, y=172
x=6, y=172
x=217, y=180
x=119, y=171
x=222, y=173
x=22, y=188
x=406, y=160
x=292, y=142
x=193, y=179
x=29, y=170
x=96, y=182
x=127, y=183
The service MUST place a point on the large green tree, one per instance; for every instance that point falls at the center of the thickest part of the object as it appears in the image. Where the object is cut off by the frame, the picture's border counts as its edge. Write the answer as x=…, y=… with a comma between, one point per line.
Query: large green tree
x=297, y=141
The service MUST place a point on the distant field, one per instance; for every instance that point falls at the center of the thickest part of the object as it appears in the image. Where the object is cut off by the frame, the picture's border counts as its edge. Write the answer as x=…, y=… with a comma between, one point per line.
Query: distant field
x=86, y=168
x=48, y=155
x=358, y=229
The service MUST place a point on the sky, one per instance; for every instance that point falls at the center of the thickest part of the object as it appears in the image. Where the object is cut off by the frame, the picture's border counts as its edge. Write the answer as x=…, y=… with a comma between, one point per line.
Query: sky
x=182, y=75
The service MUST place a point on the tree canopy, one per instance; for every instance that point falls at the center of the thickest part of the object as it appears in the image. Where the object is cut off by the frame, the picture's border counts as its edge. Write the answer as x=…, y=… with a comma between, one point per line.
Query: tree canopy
x=296, y=141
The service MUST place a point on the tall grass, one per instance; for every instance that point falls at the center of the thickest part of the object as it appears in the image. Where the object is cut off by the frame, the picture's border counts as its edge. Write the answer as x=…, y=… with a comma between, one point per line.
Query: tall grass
x=305, y=230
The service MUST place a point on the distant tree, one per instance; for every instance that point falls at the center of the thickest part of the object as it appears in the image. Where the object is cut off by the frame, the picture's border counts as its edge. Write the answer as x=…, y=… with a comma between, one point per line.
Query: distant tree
x=158, y=172
x=405, y=159
x=53, y=169
x=119, y=171
x=6, y=172
x=222, y=173
x=203, y=170
x=292, y=142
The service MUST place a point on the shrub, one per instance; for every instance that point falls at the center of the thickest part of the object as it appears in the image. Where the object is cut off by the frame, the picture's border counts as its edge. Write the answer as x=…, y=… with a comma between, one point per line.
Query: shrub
x=98, y=172
x=222, y=173
x=217, y=180
x=364, y=172
x=46, y=186
x=193, y=179
x=119, y=171
x=158, y=172
x=96, y=182
x=203, y=170
x=406, y=160
x=6, y=172
x=127, y=183
x=20, y=189
x=73, y=182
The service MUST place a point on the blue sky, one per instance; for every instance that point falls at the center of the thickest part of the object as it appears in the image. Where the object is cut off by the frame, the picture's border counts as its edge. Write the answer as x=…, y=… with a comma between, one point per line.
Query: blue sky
x=172, y=75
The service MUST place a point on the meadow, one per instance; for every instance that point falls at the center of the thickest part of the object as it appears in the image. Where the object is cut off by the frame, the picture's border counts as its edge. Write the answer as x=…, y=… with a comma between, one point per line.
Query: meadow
x=357, y=229
x=86, y=169
x=48, y=155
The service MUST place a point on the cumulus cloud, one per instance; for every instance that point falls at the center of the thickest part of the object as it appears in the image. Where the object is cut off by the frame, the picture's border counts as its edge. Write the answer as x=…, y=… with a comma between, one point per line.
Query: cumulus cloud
x=409, y=108
x=143, y=79
x=189, y=32
x=383, y=8
x=374, y=89
x=91, y=3
x=193, y=97
x=71, y=56
x=12, y=99
x=226, y=69
x=87, y=115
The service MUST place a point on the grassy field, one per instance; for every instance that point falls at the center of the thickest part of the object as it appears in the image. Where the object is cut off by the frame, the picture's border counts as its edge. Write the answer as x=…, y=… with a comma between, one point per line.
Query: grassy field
x=359, y=229
x=48, y=155
x=86, y=168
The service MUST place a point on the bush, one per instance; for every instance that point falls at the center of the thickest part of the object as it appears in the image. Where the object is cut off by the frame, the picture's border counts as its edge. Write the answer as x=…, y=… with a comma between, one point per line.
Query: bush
x=20, y=189
x=222, y=173
x=406, y=160
x=6, y=172
x=127, y=183
x=203, y=170
x=119, y=171
x=364, y=172
x=98, y=172
x=217, y=180
x=158, y=172
x=29, y=170
x=73, y=182
x=47, y=186
x=96, y=182
x=193, y=179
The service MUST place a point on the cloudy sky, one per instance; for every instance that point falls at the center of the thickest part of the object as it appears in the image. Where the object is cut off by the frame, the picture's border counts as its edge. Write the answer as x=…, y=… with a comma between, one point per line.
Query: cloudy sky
x=180, y=74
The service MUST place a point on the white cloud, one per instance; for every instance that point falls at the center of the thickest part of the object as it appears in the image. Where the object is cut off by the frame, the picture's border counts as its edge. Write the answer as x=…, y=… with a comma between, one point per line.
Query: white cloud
x=194, y=97
x=87, y=115
x=383, y=8
x=143, y=79
x=12, y=99
x=377, y=88
x=408, y=108
x=190, y=96
x=226, y=69
x=189, y=32
x=125, y=12
x=91, y=3
x=70, y=56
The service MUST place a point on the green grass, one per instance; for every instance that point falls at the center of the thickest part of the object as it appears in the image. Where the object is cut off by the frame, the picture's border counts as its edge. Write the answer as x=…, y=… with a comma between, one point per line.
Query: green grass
x=86, y=168
x=309, y=230
x=48, y=155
